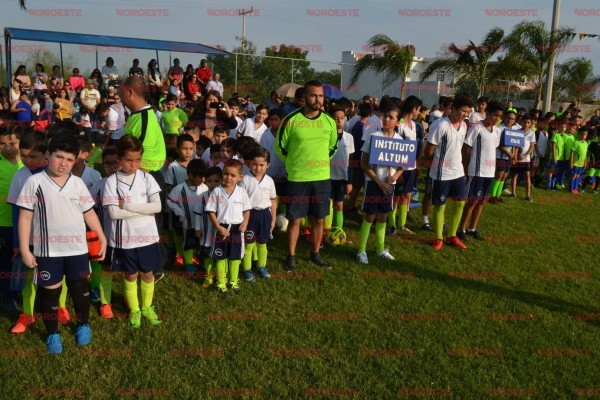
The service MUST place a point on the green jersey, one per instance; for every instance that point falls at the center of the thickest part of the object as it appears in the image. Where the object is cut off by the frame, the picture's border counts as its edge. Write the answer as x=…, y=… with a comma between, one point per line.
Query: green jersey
x=174, y=120
x=569, y=142
x=580, y=151
x=7, y=171
x=306, y=145
x=143, y=125
x=559, y=148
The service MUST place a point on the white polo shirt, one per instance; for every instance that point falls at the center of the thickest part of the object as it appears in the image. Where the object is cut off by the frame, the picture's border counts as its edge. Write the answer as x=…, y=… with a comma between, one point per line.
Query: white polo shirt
x=529, y=142
x=229, y=208
x=447, y=157
x=382, y=171
x=261, y=193
x=176, y=174
x=339, y=162
x=58, y=226
x=184, y=201
x=17, y=183
x=483, y=145
x=247, y=129
x=202, y=222
x=408, y=132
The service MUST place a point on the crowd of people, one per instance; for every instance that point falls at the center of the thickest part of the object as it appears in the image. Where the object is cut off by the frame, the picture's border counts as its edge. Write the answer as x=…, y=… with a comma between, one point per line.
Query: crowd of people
x=194, y=180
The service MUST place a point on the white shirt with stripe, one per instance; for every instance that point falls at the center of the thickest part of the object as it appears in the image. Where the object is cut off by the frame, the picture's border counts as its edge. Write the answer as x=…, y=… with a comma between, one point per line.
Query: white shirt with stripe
x=408, y=132
x=184, y=200
x=229, y=208
x=176, y=174
x=529, y=142
x=202, y=222
x=447, y=157
x=339, y=162
x=483, y=145
x=260, y=193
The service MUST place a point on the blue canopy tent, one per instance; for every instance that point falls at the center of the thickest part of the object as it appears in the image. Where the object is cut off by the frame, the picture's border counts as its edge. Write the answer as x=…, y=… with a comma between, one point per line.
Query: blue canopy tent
x=99, y=40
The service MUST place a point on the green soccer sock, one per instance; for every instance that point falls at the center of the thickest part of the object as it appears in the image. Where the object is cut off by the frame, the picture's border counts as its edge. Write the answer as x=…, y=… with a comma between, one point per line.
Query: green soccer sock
x=379, y=236
x=329, y=217
x=105, y=287
x=494, y=191
x=29, y=291
x=254, y=254
x=62, y=300
x=178, y=240
x=455, y=217
x=391, y=219
x=403, y=214
x=130, y=290
x=208, y=267
x=338, y=219
x=247, y=260
x=221, y=267
x=499, y=187
x=147, y=290
x=188, y=256
x=261, y=249
x=437, y=212
x=96, y=271
x=365, y=229
x=234, y=270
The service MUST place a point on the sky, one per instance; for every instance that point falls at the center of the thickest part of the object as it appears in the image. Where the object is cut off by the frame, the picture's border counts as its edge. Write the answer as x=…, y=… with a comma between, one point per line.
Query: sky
x=324, y=28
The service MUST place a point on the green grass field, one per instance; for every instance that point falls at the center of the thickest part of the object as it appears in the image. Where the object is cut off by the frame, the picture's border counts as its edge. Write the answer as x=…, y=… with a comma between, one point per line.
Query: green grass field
x=516, y=315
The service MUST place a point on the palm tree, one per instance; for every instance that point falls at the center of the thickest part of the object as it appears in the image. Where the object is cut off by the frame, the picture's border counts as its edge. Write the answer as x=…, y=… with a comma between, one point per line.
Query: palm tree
x=394, y=61
x=530, y=47
x=575, y=80
x=469, y=63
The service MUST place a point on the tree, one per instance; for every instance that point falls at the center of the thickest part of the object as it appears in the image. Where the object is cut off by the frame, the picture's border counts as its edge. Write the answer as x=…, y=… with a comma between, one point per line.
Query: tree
x=530, y=48
x=575, y=81
x=392, y=60
x=469, y=64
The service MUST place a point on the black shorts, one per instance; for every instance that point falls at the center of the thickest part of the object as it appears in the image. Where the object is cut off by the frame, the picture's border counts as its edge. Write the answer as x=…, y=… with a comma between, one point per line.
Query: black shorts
x=140, y=259
x=375, y=200
x=521, y=166
x=281, y=190
x=204, y=252
x=441, y=191
x=357, y=177
x=230, y=247
x=308, y=198
x=338, y=190
x=478, y=189
x=107, y=261
x=50, y=270
x=259, y=226
x=409, y=180
x=503, y=165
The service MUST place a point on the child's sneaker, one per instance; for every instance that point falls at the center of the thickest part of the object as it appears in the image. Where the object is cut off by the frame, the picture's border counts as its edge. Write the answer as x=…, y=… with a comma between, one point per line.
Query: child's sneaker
x=475, y=235
x=179, y=260
x=63, y=316
x=95, y=295
x=407, y=231
x=236, y=287
x=390, y=231
x=456, y=242
x=135, y=319
x=106, y=311
x=22, y=324
x=54, y=344
x=208, y=282
x=150, y=314
x=461, y=235
x=249, y=276
x=385, y=254
x=264, y=273
x=362, y=258
x=426, y=227
x=438, y=244
x=222, y=290
x=83, y=334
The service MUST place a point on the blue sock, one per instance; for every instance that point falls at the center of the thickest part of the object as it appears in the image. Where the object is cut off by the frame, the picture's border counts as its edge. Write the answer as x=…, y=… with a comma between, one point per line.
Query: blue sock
x=549, y=182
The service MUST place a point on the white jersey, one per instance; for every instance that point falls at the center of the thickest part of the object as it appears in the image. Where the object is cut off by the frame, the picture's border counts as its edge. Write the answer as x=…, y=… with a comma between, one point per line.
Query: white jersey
x=58, y=226
x=500, y=154
x=447, y=157
x=435, y=115
x=483, y=145
x=339, y=162
x=135, y=232
x=476, y=117
x=233, y=132
x=408, y=133
x=247, y=128
x=382, y=171
x=184, y=201
x=90, y=176
x=542, y=143
x=176, y=174
x=17, y=183
x=529, y=142
x=229, y=208
x=261, y=193
x=276, y=167
x=202, y=222
x=97, y=193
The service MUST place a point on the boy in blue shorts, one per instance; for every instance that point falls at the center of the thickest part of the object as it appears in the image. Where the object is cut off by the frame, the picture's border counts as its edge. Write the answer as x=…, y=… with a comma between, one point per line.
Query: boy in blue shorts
x=47, y=201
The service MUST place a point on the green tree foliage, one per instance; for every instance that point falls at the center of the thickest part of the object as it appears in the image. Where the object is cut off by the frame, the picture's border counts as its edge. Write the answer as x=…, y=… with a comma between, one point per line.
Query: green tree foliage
x=575, y=81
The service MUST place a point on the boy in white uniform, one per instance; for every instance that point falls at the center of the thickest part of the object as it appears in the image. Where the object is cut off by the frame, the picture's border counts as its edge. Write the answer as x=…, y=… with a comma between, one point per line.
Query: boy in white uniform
x=523, y=163
x=205, y=231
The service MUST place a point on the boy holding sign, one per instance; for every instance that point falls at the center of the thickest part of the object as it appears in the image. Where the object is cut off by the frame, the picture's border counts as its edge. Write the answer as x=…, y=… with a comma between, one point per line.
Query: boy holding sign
x=523, y=164
x=445, y=144
x=379, y=189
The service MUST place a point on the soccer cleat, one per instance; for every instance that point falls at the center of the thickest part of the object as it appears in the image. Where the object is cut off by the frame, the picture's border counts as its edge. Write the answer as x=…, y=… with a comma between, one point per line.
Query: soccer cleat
x=249, y=276
x=135, y=319
x=307, y=235
x=179, y=260
x=63, y=316
x=106, y=311
x=407, y=231
x=54, y=344
x=235, y=287
x=385, y=254
x=150, y=314
x=426, y=227
x=391, y=231
x=574, y=191
x=264, y=272
x=158, y=276
x=513, y=196
x=438, y=244
x=290, y=264
x=475, y=235
x=561, y=186
x=315, y=258
x=362, y=258
x=196, y=260
x=95, y=295
x=461, y=235
x=208, y=282
x=222, y=290
x=83, y=334
x=499, y=200
x=22, y=324
x=456, y=242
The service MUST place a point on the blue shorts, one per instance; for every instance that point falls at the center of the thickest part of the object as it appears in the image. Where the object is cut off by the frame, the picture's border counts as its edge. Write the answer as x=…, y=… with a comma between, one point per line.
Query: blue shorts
x=409, y=180
x=308, y=198
x=338, y=190
x=259, y=226
x=478, y=189
x=577, y=170
x=141, y=259
x=50, y=270
x=552, y=164
x=503, y=165
x=564, y=165
x=441, y=191
x=230, y=247
x=375, y=200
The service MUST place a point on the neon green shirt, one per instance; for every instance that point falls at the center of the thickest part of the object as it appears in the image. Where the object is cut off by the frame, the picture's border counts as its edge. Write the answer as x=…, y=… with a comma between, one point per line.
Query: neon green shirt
x=560, y=145
x=7, y=171
x=174, y=120
x=580, y=150
x=306, y=145
x=143, y=123
x=569, y=142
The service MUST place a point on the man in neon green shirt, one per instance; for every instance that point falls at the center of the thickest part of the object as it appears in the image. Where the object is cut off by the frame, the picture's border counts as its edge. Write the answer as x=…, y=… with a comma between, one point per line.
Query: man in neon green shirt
x=306, y=141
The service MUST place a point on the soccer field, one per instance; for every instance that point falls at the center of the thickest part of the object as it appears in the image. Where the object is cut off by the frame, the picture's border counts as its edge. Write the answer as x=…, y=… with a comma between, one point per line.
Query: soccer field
x=516, y=315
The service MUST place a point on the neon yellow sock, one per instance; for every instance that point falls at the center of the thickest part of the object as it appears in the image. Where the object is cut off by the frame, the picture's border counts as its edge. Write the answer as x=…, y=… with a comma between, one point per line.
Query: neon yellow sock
x=29, y=291
x=130, y=291
x=147, y=290
x=96, y=271
x=391, y=219
x=254, y=254
x=208, y=267
x=247, y=260
x=338, y=219
x=178, y=240
x=105, y=287
x=261, y=250
x=188, y=256
x=437, y=213
x=329, y=217
x=379, y=236
x=365, y=229
x=221, y=267
x=455, y=217
x=403, y=210
x=234, y=270
x=62, y=300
